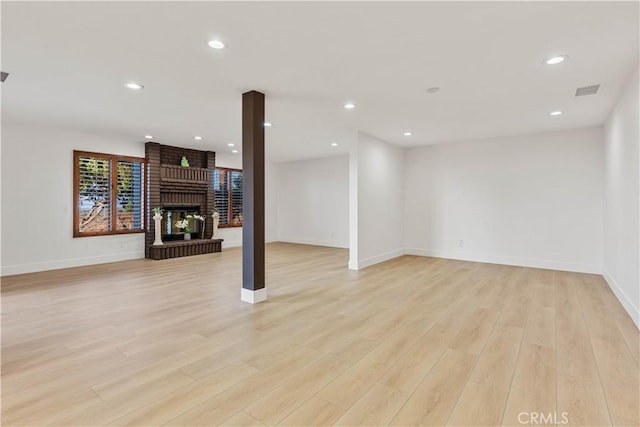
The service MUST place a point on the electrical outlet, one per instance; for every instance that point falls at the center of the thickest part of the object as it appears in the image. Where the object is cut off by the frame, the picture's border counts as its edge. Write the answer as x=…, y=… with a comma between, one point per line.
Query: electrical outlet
x=461, y=243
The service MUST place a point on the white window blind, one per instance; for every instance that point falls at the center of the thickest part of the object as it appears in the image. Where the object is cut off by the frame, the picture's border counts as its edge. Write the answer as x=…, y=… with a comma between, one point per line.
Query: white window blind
x=228, y=196
x=129, y=195
x=221, y=194
x=94, y=194
x=108, y=194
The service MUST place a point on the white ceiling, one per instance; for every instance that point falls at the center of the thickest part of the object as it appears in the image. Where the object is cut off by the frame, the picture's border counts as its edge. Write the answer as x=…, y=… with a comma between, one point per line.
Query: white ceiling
x=69, y=61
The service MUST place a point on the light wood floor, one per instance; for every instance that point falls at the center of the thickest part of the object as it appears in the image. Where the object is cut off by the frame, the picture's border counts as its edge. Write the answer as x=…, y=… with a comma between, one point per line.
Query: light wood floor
x=413, y=341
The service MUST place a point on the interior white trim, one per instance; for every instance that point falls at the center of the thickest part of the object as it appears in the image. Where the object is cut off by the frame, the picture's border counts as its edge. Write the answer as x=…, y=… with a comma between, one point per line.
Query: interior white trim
x=508, y=260
x=631, y=308
x=9, y=270
x=253, y=297
x=364, y=263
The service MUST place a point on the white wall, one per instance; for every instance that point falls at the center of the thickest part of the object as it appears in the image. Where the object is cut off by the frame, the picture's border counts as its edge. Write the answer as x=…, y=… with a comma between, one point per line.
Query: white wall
x=533, y=200
x=376, y=201
x=621, y=197
x=37, y=201
x=313, y=201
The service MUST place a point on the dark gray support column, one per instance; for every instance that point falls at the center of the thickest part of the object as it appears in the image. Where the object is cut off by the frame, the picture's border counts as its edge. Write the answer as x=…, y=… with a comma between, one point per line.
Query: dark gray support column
x=253, y=229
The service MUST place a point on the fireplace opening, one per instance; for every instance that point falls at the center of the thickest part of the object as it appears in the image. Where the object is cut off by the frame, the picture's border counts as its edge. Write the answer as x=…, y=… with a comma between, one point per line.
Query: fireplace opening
x=174, y=214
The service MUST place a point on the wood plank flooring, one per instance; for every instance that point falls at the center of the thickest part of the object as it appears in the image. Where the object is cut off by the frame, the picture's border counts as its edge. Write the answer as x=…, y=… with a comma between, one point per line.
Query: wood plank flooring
x=413, y=341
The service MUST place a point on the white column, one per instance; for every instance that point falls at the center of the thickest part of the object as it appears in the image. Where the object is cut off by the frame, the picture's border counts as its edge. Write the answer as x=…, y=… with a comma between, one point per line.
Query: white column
x=216, y=222
x=158, y=223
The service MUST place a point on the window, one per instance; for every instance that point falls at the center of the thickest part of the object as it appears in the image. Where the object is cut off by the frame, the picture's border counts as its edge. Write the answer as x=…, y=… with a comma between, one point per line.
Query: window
x=108, y=194
x=227, y=186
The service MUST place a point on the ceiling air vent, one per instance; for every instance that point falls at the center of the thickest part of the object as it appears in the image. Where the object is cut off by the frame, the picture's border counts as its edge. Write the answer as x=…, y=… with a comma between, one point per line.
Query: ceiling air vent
x=3, y=76
x=587, y=90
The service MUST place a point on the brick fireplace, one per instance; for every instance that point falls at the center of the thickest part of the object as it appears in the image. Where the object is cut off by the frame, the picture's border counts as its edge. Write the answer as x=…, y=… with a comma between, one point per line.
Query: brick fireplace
x=179, y=189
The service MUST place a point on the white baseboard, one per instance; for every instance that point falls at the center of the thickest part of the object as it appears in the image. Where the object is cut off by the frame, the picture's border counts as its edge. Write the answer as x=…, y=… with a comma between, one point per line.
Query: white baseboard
x=253, y=297
x=314, y=242
x=508, y=260
x=627, y=303
x=367, y=262
x=10, y=270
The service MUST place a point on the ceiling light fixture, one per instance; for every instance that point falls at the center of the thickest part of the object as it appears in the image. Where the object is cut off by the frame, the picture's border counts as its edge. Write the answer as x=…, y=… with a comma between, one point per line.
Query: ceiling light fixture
x=407, y=134
x=231, y=145
x=349, y=106
x=197, y=138
x=216, y=44
x=148, y=136
x=555, y=113
x=434, y=89
x=134, y=86
x=556, y=59
x=234, y=151
x=334, y=144
x=268, y=124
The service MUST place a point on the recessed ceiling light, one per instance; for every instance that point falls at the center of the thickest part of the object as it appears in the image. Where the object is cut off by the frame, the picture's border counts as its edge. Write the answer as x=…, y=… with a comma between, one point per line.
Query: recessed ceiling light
x=349, y=106
x=216, y=44
x=231, y=145
x=555, y=113
x=556, y=59
x=134, y=86
x=407, y=134
x=434, y=89
x=149, y=136
x=234, y=151
x=197, y=138
x=268, y=124
x=334, y=144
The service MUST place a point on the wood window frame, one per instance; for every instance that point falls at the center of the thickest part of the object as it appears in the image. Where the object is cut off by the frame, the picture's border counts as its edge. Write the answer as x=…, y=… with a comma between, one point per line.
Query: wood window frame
x=113, y=191
x=230, y=200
